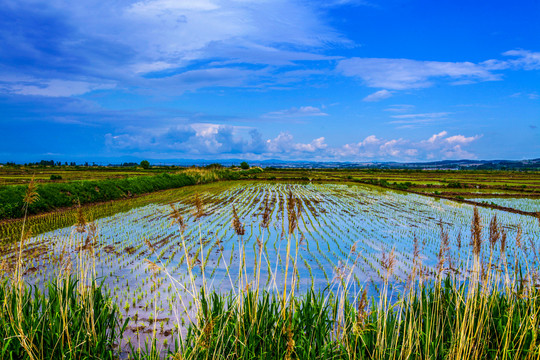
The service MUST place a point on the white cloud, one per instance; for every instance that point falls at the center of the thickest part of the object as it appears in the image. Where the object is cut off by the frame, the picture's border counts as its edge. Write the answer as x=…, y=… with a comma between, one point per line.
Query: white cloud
x=129, y=41
x=525, y=59
x=436, y=137
x=456, y=152
x=438, y=146
x=378, y=95
x=415, y=120
x=315, y=145
x=421, y=116
x=235, y=31
x=400, y=74
x=206, y=139
x=50, y=88
x=400, y=108
x=460, y=139
x=531, y=96
x=302, y=111
x=143, y=68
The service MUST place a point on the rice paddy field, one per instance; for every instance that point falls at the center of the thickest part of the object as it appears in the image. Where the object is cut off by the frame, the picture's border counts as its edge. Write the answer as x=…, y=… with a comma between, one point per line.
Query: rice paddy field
x=525, y=204
x=341, y=229
x=293, y=238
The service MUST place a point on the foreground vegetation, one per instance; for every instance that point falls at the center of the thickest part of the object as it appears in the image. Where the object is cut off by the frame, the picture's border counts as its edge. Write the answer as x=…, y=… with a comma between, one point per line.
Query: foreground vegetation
x=489, y=309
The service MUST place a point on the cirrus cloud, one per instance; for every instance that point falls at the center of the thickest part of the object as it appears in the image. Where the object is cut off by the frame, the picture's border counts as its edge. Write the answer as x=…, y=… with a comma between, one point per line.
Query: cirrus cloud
x=378, y=96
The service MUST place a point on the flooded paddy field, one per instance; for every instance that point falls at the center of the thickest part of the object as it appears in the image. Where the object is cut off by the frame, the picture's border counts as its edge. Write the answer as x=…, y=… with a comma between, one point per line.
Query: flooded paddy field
x=153, y=263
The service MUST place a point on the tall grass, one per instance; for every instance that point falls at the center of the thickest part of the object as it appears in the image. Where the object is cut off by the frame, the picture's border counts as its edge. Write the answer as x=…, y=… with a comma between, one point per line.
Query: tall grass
x=71, y=317
x=58, y=322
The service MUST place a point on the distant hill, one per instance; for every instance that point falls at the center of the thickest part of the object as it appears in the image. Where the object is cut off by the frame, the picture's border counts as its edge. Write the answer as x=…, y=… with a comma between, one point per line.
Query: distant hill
x=530, y=164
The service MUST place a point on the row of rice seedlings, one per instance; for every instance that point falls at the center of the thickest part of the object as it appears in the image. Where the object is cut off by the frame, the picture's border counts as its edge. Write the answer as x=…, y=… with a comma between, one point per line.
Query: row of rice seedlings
x=525, y=204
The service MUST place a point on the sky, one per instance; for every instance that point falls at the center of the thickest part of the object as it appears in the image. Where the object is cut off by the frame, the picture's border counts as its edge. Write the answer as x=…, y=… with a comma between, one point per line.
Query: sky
x=333, y=80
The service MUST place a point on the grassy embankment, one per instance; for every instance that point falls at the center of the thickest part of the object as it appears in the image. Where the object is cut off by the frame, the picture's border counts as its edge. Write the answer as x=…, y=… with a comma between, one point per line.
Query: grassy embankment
x=68, y=195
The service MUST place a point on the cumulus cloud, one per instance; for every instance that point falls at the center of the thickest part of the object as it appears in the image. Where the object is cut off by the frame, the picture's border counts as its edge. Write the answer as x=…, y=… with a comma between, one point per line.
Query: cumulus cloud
x=215, y=140
x=203, y=139
x=460, y=139
x=436, y=137
x=439, y=146
x=378, y=96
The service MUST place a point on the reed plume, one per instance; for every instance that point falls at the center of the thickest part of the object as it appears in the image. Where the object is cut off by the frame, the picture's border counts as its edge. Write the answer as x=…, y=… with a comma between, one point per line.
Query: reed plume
x=361, y=311
x=494, y=232
x=199, y=209
x=476, y=233
x=388, y=262
x=31, y=195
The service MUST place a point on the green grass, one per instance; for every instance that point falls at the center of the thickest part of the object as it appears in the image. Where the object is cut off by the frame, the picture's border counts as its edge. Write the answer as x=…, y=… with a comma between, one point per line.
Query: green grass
x=425, y=325
x=61, y=321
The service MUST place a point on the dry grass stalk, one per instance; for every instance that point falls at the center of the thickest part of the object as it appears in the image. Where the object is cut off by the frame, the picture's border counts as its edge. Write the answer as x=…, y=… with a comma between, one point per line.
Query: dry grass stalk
x=292, y=212
x=518, y=237
x=80, y=226
x=177, y=218
x=416, y=251
x=266, y=216
x=290, y=340
x=153, y=267
x=444, y=248
x=150, y=246
x=353, y=248
x=503, y=242
x=237, y=224
x=199, y=210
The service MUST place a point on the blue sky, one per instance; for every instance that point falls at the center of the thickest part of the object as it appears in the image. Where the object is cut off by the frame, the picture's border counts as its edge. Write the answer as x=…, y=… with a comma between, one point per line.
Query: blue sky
x=334, y=80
